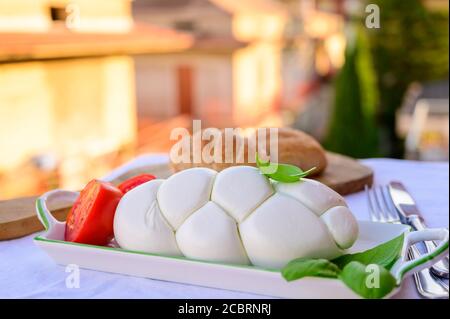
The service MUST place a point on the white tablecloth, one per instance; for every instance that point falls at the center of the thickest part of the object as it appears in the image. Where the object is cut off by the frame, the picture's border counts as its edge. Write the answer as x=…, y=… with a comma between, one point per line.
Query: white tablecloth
x=27, y=272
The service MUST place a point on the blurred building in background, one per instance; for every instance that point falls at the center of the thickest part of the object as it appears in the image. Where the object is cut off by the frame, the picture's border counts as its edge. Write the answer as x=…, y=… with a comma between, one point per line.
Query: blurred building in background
x=232, y=73
x=86, y=85
x=67, y=89
x=253, y=63
x=423, y=121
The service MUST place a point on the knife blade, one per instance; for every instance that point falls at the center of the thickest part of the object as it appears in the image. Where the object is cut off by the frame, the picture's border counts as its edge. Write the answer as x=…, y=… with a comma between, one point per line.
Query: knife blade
x=410, y=214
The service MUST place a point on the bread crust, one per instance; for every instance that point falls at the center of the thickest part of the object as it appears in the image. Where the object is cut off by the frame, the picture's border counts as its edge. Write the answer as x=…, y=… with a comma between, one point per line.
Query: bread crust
x=294, y=147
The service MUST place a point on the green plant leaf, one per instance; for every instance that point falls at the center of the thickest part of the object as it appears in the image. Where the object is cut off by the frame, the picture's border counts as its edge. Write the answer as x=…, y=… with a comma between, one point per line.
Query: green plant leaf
x=285, y=173
x=306, y=173
x=282, y=172
x=260, y=163
x=369, y=281
x=384, y=255
x=301, y=267
x=366, y=273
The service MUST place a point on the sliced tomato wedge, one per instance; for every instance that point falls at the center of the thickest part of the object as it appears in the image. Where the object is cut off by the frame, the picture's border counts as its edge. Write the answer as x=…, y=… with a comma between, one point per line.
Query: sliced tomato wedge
x=135, y=181
x=90, y=221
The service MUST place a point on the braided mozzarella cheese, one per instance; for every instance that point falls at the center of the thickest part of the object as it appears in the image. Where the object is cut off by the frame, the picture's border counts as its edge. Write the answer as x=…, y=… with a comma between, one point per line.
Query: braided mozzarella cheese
x=236, y=216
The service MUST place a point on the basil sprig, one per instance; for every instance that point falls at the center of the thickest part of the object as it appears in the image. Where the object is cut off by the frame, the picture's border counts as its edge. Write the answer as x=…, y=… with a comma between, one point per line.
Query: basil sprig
x=371, y=283
x=353, y=269
x=303, y=267
x=384, y=255
x=285, y=173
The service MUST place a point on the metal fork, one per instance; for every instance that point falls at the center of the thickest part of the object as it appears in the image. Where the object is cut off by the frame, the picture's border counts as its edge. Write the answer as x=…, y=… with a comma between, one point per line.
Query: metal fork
x=382, y=209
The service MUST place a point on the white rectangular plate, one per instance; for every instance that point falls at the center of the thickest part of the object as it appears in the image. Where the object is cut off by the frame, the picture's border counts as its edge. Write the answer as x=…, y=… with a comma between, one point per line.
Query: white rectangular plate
x=233, y=277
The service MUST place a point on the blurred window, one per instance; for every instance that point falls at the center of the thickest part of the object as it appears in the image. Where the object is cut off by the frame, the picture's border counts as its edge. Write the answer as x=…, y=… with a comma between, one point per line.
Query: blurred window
x=185, y=89
x=58, y=13
x=185, y=25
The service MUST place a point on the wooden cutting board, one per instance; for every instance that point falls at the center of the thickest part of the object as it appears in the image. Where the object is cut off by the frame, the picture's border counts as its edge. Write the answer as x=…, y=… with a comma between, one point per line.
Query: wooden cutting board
x=18, y=217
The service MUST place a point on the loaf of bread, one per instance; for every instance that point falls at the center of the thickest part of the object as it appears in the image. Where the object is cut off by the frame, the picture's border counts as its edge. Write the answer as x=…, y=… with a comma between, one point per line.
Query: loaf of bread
x=294, y=147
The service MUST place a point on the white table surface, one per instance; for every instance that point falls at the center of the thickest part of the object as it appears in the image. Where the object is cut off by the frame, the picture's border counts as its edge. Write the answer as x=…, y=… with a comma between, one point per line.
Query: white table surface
x=27, y=272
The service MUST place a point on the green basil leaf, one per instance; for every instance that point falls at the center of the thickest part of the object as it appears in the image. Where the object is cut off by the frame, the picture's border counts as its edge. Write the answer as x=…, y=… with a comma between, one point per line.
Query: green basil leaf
x=269, y=169
x=384, y=255
x=285, y=173
x=371, y=281
x=306, y=173
x=289, y=170
x=301, y=267
x=261, y=163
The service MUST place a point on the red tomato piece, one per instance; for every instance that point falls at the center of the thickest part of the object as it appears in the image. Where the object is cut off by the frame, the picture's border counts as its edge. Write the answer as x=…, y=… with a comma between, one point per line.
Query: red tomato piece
x=135, y=181
x=90, y=221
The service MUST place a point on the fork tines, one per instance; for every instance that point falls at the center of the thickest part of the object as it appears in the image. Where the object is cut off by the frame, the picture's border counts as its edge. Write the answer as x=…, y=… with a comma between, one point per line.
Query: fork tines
x=381, y=208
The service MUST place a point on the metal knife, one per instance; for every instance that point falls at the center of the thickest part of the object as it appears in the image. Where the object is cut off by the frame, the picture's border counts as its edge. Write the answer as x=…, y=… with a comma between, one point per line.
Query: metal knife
x=407, y=208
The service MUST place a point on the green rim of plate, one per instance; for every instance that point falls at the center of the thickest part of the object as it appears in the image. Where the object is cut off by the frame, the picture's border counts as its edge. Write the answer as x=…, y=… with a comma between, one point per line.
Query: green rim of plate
x=121, y=250
x=40, y=210
x=46, y=223
x=423, y=259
